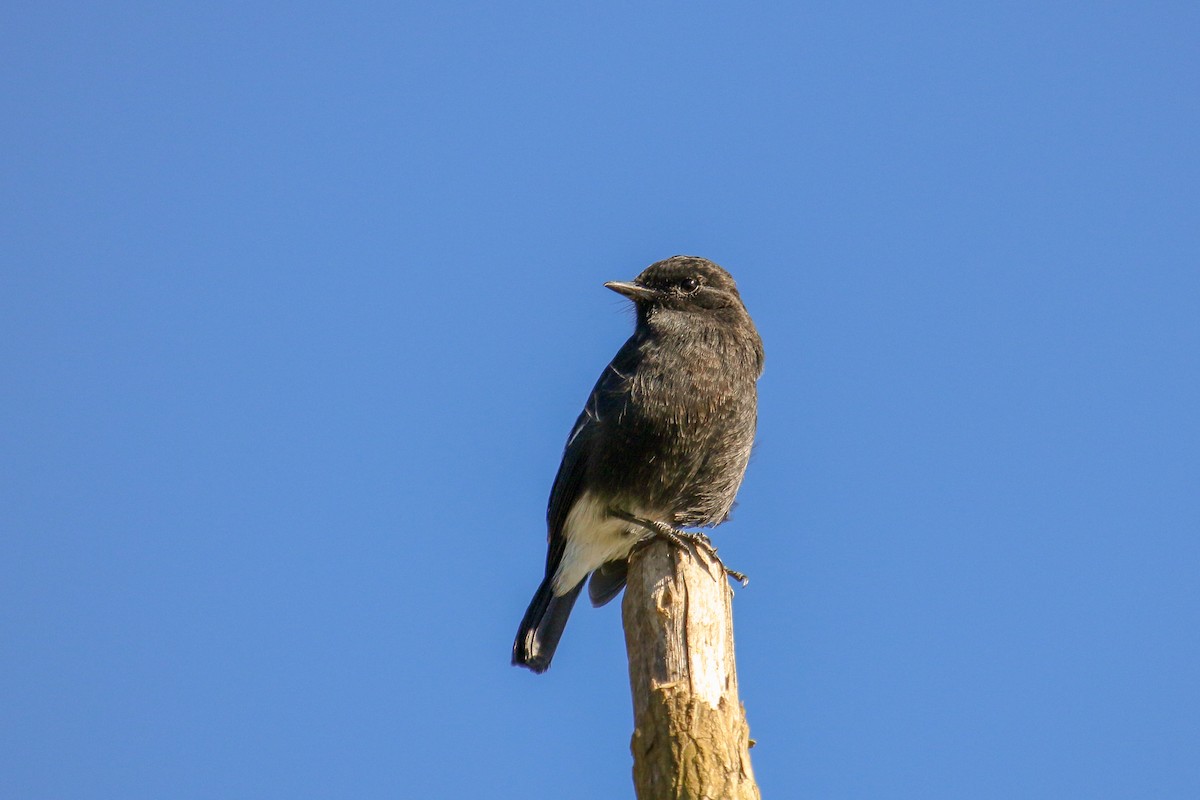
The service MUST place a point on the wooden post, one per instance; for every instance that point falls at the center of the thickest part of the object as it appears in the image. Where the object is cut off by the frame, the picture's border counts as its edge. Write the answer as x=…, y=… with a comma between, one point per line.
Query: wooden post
x=690, y=739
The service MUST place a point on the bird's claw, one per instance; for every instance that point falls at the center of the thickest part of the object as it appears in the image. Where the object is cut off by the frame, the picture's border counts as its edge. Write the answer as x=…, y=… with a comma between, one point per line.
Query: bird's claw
x=681, y=539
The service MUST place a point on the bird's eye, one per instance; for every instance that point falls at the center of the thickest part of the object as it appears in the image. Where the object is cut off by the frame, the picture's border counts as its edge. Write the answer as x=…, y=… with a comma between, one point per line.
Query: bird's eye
x=689, y=285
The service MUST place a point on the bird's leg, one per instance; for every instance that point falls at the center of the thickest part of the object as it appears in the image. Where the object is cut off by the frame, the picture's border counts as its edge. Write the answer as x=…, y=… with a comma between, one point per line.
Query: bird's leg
x=681, y=539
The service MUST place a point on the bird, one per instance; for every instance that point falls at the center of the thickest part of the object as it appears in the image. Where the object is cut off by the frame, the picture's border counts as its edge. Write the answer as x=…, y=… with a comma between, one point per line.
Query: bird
x=662, y=443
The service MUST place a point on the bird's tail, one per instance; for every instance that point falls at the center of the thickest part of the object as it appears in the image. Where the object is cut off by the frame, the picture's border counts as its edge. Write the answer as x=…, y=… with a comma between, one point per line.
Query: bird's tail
x=542, y=627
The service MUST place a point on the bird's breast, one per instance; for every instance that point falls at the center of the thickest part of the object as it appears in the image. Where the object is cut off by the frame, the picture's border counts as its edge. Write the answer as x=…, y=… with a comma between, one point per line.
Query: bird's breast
x=680, y=437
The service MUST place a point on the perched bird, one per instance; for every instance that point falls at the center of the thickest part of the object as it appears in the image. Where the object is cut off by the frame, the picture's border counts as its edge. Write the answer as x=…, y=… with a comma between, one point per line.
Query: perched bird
x=662, y=442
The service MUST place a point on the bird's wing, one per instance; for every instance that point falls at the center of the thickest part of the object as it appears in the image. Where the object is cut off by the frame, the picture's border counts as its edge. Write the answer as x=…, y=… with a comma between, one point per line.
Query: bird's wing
x=607, y=400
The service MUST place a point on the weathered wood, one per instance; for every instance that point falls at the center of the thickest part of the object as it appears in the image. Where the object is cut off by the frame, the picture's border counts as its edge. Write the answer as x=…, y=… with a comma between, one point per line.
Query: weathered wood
x=690, y=739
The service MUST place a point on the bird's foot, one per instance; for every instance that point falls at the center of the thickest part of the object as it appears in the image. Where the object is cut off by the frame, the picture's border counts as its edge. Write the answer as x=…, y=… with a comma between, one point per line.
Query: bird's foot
x=681, y=539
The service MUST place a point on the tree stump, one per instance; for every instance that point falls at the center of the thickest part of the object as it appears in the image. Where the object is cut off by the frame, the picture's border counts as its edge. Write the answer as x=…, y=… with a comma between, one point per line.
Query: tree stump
x=690, y=739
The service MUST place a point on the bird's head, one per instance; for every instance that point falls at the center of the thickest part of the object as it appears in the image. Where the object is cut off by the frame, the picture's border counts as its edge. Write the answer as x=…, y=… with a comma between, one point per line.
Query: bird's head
x=681, y=283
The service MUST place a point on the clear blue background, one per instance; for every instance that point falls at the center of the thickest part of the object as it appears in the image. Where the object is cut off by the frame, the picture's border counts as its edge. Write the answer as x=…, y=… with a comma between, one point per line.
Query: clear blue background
x=298, y=303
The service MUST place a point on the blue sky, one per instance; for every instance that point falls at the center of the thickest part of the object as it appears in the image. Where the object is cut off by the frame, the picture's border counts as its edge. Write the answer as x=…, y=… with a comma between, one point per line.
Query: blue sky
x=298, y=303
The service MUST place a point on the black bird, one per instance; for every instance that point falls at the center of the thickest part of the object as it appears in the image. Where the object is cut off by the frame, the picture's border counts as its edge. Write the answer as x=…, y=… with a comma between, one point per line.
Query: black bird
x=663, y=441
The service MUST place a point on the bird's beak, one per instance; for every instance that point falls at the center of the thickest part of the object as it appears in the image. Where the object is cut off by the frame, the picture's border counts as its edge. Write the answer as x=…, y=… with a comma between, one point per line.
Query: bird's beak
x=634, y=291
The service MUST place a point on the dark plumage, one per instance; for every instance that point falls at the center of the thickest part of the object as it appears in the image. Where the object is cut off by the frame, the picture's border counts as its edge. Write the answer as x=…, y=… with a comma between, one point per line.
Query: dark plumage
x=664, y=438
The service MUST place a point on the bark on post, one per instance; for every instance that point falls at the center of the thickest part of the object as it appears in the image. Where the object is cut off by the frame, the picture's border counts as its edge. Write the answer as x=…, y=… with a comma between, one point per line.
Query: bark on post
x=690, y=738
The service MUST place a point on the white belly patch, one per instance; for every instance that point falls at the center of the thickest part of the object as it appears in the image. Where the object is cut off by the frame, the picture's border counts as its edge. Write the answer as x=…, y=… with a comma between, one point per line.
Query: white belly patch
x=593, y=539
